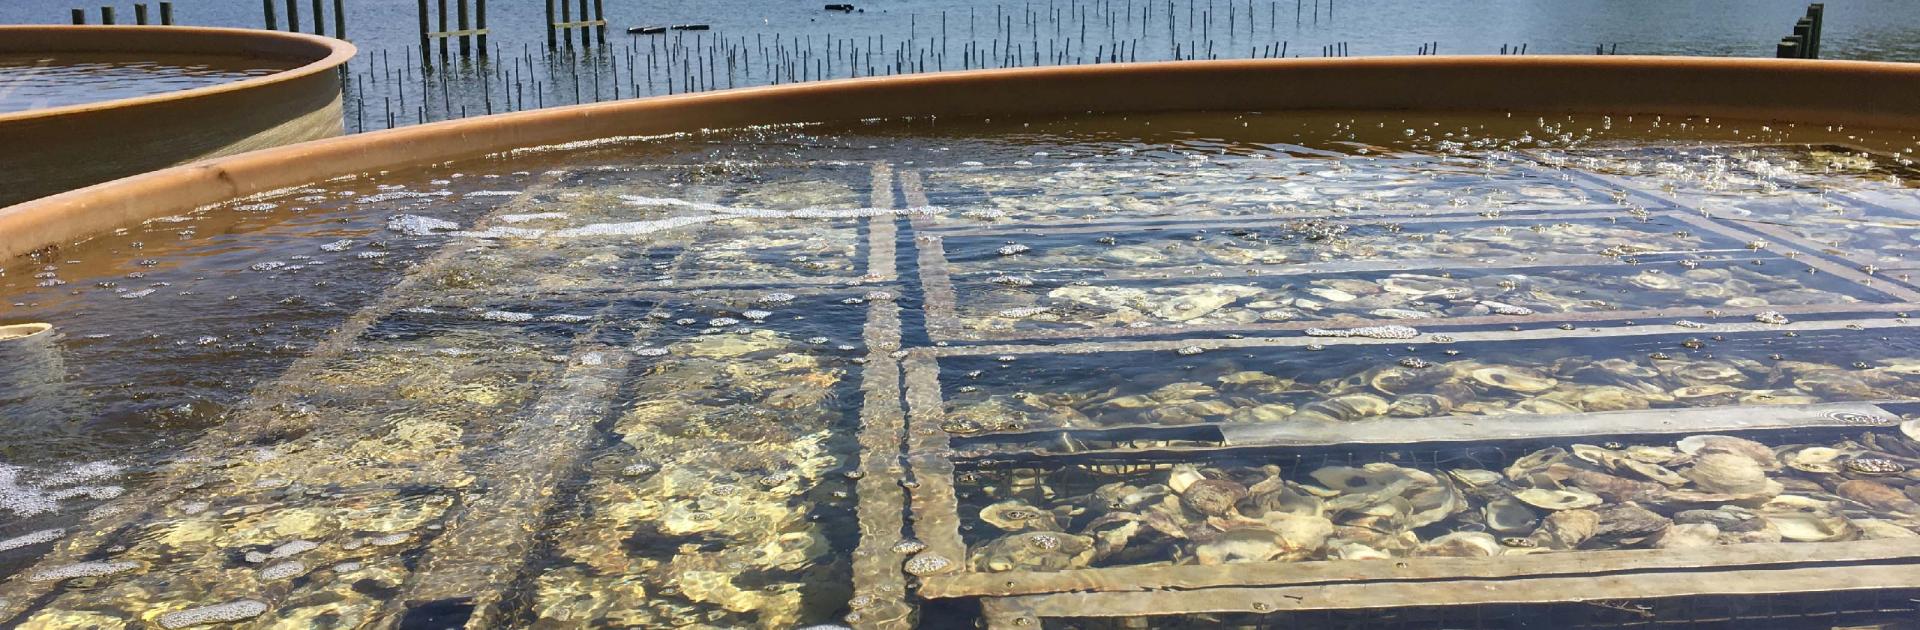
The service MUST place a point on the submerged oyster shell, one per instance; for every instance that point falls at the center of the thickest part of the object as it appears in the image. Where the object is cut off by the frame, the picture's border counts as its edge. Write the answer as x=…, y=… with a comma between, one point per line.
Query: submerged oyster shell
x=1034, y=551
x=1461, y=545
x=1017, y=516
x=1566, y=499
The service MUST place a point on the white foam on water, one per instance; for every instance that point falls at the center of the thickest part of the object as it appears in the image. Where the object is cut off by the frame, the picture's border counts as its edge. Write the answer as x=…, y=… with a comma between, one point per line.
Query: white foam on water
x=24, y=497
x=218, y=613
x=500, y=231
x=523, y=218
x=32, y=538
x=401, y=194
x=82, y=569
x=633, y=228
x=567, y=319
x=135, y=295
x=337, y=246
x=283, y=570
x=1370, y=332
x=506, y=316
x=415, y=225
x=492, y=193
x=294, y=548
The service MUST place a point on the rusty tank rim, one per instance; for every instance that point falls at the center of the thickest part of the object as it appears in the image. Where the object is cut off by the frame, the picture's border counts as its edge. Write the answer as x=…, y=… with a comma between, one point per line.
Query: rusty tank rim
x=320, y=55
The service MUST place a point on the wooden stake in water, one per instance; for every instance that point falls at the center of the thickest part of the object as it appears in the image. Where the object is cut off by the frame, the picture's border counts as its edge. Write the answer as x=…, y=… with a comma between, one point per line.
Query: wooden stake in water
x=140, y=14
x=80, y=15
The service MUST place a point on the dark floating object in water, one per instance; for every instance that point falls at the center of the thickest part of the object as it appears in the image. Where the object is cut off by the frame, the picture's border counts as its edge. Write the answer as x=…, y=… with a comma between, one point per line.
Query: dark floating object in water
x=646, y=30
x=843, y=8
x=692, y=27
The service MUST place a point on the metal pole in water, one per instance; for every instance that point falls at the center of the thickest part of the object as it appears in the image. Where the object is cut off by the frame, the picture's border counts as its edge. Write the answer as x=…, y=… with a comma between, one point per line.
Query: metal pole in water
x=319, y=18
x=339, y=18
x=272, y=22
x=293, y=16
x=140, y=14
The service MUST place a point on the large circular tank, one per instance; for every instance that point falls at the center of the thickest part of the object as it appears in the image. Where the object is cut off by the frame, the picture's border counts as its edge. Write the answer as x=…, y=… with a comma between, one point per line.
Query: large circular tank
x=88, y=104
x=1551, y=341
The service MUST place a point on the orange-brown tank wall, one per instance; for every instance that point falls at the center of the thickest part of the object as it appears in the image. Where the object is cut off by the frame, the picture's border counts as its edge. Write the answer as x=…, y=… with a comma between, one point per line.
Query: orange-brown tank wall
x=50, y=150
x=1814, y=92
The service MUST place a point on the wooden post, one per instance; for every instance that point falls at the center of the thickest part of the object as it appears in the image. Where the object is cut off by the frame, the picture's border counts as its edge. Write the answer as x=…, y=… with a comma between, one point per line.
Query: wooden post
x=466, y=41
x=551, y=41
x=566, y=15
x=586, y=34
x=1816, y=12
x=1789, y=48
x=166, y=14
x=79, y=16
x=319, y=18
x=600, y=13
x=293, y=16
x=140, y=14
x=480, y=15
x=272, y=22
x=443, y=29
x=106, y=15
x=1803, y=30
x=340, y=19
x=423, y=33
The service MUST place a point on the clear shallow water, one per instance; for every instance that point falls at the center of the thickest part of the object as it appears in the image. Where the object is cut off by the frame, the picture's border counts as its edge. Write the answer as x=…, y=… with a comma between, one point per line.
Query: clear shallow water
x=660, y=382
x=42, y=81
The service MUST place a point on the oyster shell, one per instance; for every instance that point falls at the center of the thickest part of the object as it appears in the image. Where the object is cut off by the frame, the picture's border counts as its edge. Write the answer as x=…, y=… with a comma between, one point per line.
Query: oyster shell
x=1806, y=519
x=1878, y=496
x=1212, y=497
x=1699, y=444
x=1727, y=473
x=1015, y=515
x=1461, y=545
x=1565, y=499
x=1514, y=379
x=1510, y=516
x=1034, y=551
x=1566, y=529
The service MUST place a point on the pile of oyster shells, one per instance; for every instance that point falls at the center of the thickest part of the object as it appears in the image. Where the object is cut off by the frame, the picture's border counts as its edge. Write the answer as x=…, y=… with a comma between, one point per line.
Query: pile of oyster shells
x=1324, y=240
x=1703, y=490
x=1416, y=388
x=1229, y=187
x=1397, y=296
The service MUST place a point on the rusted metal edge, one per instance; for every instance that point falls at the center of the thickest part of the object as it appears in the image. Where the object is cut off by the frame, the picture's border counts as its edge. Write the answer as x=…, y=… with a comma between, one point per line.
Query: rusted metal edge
x=257, y=417
x=936, y=519
x=1024, y=612
x=1808, y=256
x=1140, y=580
x=1446, y=214
x=882, y=231
x=1442, y=429
x=1633, y=330
x=879, y=582
x=1119, y=334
